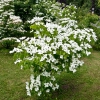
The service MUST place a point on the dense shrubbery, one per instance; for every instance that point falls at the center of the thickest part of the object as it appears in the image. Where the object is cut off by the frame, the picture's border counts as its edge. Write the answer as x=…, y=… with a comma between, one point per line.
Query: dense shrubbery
x=86, y=19
x=10, y=25
x=8, y=43
x=97, y=7
x=25, y=9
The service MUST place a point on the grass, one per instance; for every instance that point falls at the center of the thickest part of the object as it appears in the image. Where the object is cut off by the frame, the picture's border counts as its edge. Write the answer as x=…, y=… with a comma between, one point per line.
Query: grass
x=83, y=85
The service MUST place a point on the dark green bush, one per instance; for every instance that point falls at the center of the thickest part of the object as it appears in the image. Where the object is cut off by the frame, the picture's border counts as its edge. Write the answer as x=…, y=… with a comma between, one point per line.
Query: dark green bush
x=8, y=43
x=96, y=28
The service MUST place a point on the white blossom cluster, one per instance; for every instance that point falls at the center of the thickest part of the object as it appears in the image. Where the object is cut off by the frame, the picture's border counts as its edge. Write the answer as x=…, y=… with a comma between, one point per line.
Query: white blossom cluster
x=56, y=10
x=55, y=48
x=9, y=38
x=4, y=12
x=36, y=84
x=4, y=4
x=8, y=21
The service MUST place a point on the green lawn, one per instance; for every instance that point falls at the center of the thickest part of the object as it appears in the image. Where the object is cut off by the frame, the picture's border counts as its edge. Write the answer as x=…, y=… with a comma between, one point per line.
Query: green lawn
x=83, y=85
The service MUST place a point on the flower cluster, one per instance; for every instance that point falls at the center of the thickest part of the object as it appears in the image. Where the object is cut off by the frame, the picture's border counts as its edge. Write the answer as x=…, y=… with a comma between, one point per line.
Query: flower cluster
x=9, y=23
x=57, y=46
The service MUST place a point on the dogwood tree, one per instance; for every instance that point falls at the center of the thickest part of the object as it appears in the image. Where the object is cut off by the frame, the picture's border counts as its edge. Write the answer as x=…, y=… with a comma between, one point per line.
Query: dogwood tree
x=57, y=46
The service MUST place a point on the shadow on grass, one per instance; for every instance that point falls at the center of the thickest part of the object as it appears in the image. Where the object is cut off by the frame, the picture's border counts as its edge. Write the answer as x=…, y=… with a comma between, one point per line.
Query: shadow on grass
x=69, y=86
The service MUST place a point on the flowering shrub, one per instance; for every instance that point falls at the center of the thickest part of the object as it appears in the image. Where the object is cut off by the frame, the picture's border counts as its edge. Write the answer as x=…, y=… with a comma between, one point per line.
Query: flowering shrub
x=57, y=46
x=10, y=25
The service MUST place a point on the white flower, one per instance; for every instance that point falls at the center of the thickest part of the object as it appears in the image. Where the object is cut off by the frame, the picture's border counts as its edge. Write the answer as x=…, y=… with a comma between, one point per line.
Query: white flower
x=35, y=19
x=32, y=79
x=22, y=38
x=21, y=67
x=54, y=68
x=46, y=84
x=54, y=52
x=81, y=63
x=31, y=86
x=18, y=61
x=50, y=84
x=79, y=55
x=16, y=50
x=37, y=89
x=28, y=89
x=86, y=46
x=39, y=93
x=28, y=93
x=63, y=65
x=48, y=90
x=18, y=40
x=57, y=86
x=46, y=74
x=15, y=19
x=94, y=36
x=88, y=53
x=72, y=69
x=53, y=78
x=43, y=57
x=48, y=39
x=61, y=56
x=37, y=81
